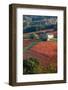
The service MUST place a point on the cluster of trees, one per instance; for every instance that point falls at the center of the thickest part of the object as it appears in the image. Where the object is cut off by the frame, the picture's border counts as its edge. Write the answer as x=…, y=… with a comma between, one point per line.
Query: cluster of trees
x=42, y=36
x=32, y=66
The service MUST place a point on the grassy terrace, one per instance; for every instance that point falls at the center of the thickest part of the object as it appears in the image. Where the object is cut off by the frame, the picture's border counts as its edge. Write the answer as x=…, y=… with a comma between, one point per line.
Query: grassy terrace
x=31, y=45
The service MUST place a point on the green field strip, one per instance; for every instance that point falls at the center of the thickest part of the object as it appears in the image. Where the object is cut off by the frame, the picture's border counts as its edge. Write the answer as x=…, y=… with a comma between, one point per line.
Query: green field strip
x=31, y=45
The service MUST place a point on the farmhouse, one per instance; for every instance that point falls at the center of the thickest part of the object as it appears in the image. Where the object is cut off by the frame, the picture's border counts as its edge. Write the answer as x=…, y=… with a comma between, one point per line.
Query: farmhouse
x=44, y=35
x=51, y=35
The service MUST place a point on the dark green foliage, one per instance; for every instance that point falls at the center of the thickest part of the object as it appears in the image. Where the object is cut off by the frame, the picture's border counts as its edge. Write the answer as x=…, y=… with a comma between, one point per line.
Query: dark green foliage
x=31, y=36
x=29, y=65
x=32, y=66
x=43, y=36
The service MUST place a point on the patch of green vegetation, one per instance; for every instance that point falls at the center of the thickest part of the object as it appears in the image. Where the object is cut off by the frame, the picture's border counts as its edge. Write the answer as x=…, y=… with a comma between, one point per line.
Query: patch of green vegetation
x=32, y=66
x=29, y=46
x=51, y=68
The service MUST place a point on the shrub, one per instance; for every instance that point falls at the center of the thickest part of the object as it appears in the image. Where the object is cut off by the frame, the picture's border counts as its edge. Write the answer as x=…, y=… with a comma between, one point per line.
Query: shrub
x=52, y=68
x=32, y=66
x=29, y=65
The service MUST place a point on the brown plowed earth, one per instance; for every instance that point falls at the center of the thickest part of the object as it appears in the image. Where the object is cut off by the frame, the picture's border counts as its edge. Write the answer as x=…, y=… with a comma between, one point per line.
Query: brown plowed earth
x=45, y=52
